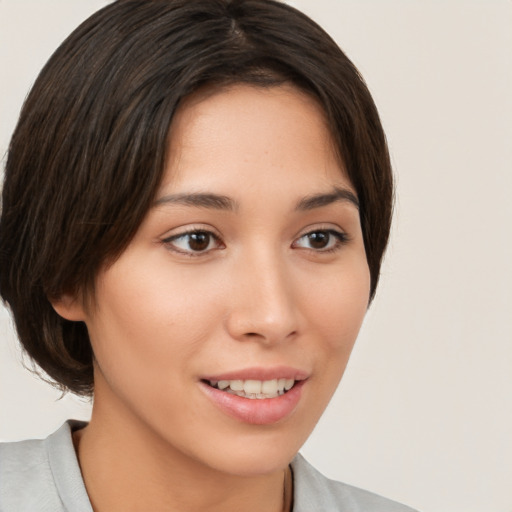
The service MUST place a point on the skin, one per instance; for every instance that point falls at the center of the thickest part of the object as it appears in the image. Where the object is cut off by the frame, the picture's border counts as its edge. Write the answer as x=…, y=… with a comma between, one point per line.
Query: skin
x=260, y=295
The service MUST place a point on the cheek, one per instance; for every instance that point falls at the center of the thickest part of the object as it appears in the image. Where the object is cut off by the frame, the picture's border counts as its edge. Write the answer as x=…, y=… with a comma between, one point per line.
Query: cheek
x=335, y=306
x=149, y=320
x=150, y=329
x=338, y=304
x=158, y=297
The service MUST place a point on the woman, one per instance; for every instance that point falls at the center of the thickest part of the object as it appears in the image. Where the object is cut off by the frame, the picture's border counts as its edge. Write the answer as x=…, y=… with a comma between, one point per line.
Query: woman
x=196, y=204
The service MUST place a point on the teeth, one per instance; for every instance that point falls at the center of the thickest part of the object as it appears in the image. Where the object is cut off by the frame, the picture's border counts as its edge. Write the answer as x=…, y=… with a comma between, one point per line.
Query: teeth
x=255, y=389
x=252, y=387
x=236, y=385
x=288, y=384
x=269, y=387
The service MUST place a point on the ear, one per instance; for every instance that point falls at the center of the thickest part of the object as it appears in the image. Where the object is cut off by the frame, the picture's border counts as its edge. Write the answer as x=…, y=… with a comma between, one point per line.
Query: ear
x=69, y=307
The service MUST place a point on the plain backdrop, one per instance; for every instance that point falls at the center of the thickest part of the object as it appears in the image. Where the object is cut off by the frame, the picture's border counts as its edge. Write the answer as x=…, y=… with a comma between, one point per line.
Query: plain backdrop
x=424, y=412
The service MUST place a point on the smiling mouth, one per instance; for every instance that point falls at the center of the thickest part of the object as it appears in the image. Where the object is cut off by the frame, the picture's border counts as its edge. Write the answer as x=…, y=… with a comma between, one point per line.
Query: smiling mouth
x=253, y=389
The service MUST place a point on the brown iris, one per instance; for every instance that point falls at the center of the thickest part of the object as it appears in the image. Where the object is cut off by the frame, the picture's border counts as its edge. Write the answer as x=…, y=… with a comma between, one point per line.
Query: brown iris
x=319, y=239
x=199, y=241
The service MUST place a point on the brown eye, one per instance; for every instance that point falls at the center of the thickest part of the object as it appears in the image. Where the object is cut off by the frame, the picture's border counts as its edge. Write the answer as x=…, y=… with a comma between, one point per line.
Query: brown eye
x=193, y=243
x=321, y=240
x=199, y=241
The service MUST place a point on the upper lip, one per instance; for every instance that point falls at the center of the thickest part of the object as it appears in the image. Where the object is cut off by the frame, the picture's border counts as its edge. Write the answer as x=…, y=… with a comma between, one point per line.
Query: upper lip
x=260, y=373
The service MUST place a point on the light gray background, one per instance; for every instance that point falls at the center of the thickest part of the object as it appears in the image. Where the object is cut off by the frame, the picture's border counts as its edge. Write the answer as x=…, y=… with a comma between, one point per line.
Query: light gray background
x=424, y=412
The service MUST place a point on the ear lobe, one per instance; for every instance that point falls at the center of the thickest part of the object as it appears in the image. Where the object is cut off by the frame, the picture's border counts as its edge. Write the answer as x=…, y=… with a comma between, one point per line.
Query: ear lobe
x=69, y=307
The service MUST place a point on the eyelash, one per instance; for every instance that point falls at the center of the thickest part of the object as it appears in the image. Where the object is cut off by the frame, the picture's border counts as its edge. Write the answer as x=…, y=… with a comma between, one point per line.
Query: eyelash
x=188, y=234
x=340, y=239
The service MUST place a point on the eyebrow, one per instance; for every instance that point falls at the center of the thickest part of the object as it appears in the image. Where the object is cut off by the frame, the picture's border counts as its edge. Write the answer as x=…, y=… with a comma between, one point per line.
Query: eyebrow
x=200, y=200
x=319, y=200
x=220, y=202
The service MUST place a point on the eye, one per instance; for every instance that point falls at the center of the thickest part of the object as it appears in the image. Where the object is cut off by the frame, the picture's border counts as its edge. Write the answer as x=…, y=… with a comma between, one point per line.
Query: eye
x=193, y=243
x=321, y=240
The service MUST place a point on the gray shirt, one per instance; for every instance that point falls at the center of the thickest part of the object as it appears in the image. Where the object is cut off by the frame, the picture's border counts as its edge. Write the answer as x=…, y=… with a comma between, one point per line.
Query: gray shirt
x=44, y=476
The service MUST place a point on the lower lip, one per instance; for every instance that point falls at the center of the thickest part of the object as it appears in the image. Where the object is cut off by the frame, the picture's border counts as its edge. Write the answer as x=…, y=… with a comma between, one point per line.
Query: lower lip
x=264, y=411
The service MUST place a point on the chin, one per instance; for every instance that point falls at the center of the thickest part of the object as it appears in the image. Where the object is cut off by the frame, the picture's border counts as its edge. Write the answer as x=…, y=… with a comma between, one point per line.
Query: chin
x=261, y=453
x=253, y=463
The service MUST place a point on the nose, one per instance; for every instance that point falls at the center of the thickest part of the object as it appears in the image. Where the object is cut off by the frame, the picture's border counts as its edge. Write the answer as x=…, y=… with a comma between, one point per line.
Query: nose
x=262, y=304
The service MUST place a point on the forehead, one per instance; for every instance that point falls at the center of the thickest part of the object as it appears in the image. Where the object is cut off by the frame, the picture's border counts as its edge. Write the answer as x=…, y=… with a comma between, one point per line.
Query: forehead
x=276, y=134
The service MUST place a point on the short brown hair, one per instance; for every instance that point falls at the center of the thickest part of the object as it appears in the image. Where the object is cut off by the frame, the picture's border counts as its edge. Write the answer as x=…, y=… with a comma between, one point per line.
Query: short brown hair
x=88, y=153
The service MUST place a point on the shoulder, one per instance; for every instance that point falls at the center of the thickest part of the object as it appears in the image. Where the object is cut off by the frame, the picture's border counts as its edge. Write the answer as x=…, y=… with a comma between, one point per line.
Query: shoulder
x=24, y=476
x=40, y=475
x=313, y=491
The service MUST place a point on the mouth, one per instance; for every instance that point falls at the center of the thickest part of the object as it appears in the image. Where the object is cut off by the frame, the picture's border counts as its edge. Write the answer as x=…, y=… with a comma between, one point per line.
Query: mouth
x=258, y=395
x=253, y=389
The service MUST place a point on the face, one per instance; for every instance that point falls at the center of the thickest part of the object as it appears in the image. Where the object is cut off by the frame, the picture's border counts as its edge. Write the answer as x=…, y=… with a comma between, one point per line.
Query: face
x=224, y=328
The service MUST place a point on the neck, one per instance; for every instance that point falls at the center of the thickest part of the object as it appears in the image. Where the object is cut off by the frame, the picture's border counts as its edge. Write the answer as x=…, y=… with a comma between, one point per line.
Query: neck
x=126, y=467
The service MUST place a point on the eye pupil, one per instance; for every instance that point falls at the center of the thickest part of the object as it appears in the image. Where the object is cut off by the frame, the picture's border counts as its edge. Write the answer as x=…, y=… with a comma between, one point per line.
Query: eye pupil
x=319, y=239
x=199, y=241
